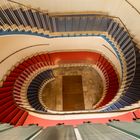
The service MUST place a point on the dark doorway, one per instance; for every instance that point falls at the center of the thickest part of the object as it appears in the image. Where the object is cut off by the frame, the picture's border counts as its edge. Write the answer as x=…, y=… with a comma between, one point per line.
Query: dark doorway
x=73, y=98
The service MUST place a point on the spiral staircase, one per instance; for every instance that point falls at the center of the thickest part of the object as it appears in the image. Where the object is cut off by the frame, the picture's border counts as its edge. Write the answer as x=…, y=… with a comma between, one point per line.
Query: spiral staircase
x=20, y=87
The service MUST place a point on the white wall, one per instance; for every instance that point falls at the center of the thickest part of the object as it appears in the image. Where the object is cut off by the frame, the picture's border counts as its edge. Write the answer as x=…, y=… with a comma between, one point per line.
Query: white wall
x=129, y=17
x=78, y=116
x=135, y=3
x=10, y=44
x=68, y=5
x=119, y=8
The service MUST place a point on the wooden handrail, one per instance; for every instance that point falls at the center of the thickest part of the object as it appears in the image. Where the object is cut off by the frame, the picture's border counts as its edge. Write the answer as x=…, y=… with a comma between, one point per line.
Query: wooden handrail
x=73, y=13
x=21, y=50
x=133, y=7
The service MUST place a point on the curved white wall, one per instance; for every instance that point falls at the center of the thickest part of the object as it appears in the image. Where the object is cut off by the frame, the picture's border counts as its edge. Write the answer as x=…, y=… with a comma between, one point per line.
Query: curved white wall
x=78, y=116
x=10, y=44
x=119, y=8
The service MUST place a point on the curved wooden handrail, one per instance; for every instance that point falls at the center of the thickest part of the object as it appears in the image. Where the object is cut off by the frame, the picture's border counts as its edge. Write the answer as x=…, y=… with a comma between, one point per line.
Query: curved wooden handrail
x=21, y=50
x=133, y=7
x=76, y=13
